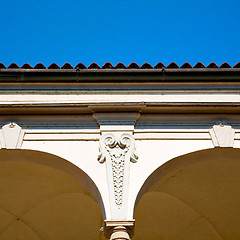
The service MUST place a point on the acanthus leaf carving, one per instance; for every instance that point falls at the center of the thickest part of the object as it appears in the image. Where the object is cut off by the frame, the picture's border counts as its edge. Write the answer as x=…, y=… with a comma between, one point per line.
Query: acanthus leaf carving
x=119, y=150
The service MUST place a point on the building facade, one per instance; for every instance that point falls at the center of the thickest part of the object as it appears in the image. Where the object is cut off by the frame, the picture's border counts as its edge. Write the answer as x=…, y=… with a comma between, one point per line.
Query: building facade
x=120, y=153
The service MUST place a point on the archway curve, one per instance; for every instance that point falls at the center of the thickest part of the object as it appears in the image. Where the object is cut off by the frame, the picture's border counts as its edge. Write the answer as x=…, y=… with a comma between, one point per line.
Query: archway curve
x=46, y=197
x=182, y=161
x=199, y=189
x=56, y=162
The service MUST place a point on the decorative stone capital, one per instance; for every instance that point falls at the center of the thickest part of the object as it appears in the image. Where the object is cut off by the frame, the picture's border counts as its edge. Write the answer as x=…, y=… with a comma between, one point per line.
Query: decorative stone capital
x=116, y=230
x=118, y=151
x=117, y=147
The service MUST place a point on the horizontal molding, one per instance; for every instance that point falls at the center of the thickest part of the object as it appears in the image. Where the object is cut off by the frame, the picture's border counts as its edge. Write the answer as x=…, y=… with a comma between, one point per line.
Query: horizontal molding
x=61, y=137
x=237, y=135
x=94, y=134
x=172, y=136
x=121, y=99
x=117, y=89
x=32, y=135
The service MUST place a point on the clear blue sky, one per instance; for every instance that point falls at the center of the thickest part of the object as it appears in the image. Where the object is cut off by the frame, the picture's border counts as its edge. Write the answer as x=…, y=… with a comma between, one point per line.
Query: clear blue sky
x=119, y=31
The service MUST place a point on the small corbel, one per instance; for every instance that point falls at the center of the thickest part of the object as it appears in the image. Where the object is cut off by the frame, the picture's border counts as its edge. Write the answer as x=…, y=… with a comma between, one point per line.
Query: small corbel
x=222, y=135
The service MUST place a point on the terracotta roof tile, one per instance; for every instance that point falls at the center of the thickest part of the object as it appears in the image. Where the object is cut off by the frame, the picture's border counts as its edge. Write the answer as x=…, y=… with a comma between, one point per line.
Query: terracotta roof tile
x=2, y=66
x=13, y=65
x=53, y=66
x=108, y=65
x=212, y=65
x=26, y=66
x=133, y=65
x=120, y=65
x=237, y=65
x=39, y=66
x=173, y=65
x=67, y=66
x=186, y=65
x=160, y=65
x=80, y=66
x=199, y=65
x=225, y=65
x=93, y=66
x=146, y=66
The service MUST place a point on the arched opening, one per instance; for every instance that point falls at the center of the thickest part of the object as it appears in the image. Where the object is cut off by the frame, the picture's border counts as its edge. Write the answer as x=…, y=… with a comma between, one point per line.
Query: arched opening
x=44, y=197
x=192, y=197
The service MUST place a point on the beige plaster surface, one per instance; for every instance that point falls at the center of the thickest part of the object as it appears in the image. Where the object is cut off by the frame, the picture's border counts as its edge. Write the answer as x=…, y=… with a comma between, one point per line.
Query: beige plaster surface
x=198, y=197
x=41, y=202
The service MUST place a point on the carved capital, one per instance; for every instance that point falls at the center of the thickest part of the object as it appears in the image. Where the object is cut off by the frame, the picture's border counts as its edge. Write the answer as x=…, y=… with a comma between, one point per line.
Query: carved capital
x=116, y=147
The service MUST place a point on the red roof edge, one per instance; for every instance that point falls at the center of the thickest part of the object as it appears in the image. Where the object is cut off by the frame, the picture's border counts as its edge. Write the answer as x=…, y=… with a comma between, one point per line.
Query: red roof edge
x=120, y=65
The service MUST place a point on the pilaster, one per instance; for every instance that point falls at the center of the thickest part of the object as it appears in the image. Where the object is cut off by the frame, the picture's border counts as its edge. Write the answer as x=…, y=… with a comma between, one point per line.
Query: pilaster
x=117, y=152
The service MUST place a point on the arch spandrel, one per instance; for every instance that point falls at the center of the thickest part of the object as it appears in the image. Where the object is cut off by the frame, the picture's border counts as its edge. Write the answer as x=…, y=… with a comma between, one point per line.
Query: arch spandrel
x=82, y=155
x=154, y=154
x=194, y=193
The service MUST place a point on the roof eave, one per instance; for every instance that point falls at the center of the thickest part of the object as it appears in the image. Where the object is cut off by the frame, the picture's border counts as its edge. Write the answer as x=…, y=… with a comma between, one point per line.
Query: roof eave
x=120, y=75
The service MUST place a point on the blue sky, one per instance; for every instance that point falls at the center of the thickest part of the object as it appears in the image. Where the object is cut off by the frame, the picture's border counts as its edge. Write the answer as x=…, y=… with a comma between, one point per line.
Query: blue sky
x=119, y=31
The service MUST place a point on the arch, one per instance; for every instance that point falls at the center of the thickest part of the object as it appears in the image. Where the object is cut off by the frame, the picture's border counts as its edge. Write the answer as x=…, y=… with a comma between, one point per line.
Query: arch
x=182, y=161
x=56, y=162
x=194, y=193
x=46, y=197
